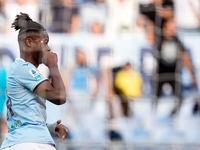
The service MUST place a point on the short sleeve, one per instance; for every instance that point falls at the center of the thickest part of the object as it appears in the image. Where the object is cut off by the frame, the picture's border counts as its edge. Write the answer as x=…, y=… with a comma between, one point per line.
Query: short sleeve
x=28, y=76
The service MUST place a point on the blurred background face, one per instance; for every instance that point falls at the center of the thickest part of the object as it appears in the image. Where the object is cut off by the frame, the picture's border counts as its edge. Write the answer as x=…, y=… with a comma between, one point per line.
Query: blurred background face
x=150, y=31
x=169, y=29
x=97, y=28
x=80, y=58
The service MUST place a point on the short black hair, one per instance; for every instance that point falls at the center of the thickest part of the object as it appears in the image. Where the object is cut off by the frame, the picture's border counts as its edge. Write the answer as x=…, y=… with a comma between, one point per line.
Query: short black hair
x=25, y=24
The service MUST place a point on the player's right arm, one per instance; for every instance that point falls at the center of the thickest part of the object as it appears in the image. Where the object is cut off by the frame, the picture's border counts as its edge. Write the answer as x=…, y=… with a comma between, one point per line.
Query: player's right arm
x=54, y=91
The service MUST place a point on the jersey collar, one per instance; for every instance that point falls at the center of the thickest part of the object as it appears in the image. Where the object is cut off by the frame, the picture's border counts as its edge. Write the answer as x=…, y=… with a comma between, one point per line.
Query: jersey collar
x=20, y=59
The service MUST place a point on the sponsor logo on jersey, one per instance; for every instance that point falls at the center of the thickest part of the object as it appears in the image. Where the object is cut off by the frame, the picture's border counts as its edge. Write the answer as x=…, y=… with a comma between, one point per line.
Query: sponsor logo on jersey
x=16, y=124
x=35, y=73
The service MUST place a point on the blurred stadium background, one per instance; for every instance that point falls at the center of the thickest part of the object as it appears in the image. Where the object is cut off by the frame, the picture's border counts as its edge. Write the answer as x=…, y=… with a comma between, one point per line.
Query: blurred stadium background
x=109, y=59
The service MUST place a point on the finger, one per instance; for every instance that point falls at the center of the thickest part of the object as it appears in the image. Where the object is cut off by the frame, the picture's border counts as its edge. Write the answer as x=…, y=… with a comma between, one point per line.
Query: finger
x=57, y=134
x=59, y=121
x=66, y=129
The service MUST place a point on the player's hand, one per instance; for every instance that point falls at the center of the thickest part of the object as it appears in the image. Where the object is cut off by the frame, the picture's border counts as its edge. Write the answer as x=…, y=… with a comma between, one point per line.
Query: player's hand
x=48, y=58
x=61, y=131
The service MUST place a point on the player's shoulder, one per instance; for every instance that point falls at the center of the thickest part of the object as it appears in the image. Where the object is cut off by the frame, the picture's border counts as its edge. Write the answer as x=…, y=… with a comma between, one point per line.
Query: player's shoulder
x=21, y=66
x=20, y=63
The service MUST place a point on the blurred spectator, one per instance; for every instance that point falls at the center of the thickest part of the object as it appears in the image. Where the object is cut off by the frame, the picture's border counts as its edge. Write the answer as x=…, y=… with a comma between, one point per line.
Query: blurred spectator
x=128, y=83
x=184, y=15
x=2, y=3
x=12, y=8
x=93, y=12
x=141, y=22
x=81, y=84
x=148, y=61
x=65, y=16
x=122, y=16
x=197, y=16
x=157, y=10
x=170, y=56
x=97, y=28
x=2, y=15
x=148, y=10
x=150, y=32
x=81, y=78
x=167, y=9
x=195, y=12
x=45, y=14
x=3, y=76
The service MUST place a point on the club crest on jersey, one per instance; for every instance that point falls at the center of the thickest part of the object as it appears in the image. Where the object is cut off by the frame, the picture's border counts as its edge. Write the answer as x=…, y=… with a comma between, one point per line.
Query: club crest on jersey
x=35, y=73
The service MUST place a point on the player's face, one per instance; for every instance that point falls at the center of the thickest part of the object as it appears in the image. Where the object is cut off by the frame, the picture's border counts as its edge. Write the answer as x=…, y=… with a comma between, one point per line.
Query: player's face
x=42, y=45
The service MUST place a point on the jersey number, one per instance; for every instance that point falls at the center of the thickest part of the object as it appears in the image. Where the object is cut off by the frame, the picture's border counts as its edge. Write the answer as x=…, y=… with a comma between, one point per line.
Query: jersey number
x=9, y=105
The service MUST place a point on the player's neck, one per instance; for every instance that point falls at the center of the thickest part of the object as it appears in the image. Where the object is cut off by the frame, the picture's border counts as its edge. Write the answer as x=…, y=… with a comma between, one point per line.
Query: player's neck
x=28, y=58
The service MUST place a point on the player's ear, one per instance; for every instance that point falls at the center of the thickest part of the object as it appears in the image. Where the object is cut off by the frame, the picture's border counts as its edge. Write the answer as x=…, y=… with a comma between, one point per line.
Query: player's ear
x=28, y=41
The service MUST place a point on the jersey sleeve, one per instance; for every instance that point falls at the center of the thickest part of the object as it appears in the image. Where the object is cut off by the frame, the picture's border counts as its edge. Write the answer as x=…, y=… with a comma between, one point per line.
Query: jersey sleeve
x=28, y=76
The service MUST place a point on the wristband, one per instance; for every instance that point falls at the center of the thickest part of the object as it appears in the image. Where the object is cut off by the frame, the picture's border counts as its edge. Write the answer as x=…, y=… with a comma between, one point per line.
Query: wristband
x=52, y=127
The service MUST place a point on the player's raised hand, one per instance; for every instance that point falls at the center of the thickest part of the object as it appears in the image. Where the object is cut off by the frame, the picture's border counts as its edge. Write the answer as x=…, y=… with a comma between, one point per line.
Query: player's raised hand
x=48, y=58
x=61, y=131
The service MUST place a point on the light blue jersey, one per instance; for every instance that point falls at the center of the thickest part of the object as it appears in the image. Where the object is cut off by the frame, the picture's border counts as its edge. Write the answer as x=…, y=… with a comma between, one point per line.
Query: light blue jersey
x=26, y=111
